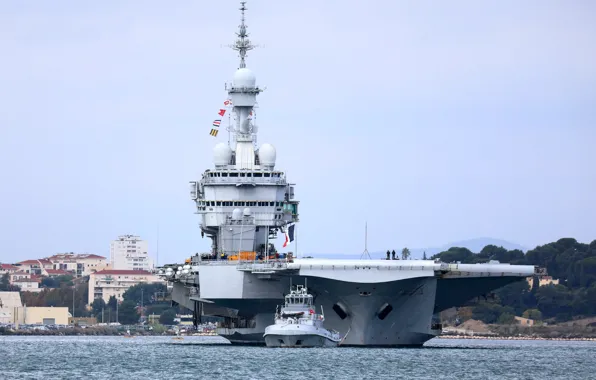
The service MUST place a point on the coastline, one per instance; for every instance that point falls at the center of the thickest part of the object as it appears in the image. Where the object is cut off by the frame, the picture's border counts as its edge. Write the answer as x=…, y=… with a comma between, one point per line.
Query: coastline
x=522, y=337
x=94, y=331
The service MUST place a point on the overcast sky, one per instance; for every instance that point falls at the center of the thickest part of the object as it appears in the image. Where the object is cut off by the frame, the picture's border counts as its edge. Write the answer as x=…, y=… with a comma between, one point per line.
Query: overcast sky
x=433, y=121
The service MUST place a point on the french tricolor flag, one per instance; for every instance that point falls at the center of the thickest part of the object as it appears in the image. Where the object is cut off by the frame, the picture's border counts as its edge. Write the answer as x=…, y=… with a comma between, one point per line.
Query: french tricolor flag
x=289, y=235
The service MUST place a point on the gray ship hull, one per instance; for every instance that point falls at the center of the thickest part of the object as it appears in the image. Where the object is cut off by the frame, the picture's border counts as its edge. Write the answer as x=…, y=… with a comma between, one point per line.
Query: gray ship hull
x=390, y=313
x=355, y=309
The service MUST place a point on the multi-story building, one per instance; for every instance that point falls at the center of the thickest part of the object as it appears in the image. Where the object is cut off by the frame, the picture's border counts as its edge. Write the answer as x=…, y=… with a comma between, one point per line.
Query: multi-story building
x=129, y=252
x=114, y=282
x=35, y=266
x=19, y=275
x=28, y=284
x=79, y=264
x=8, y=268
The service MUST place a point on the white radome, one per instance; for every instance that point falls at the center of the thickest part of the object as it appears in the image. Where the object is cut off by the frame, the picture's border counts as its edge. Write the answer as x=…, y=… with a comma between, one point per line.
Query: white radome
x=237, y=214
x=267, y=155
x=247, y=211
x=222, y=154
x=244, y=78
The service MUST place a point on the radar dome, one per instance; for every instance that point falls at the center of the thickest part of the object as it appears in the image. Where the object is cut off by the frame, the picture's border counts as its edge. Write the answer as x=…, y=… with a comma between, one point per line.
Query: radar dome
x=247, y=211
x=244, y=78
x=237, y=214
x=222, y=154
x=267, y=155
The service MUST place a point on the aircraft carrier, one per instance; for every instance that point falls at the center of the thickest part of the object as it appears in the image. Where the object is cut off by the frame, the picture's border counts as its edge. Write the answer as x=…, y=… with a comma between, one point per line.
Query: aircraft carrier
x=245, y=202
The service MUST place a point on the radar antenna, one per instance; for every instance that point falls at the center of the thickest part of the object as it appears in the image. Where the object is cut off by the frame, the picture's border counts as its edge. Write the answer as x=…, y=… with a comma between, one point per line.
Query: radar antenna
x=242, y=44
x=365, y=253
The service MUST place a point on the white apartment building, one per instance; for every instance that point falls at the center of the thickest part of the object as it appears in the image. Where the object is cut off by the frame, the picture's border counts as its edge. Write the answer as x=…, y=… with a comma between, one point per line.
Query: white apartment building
x=79, y=264
x=129, y=252
x=112, y=282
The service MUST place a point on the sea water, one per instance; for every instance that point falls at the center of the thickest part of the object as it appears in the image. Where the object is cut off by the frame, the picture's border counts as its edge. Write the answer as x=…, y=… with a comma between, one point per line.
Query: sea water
x=93, y=357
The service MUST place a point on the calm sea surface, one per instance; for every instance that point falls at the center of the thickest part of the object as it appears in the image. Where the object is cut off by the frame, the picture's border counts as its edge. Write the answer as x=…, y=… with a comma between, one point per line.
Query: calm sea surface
x=86, y=357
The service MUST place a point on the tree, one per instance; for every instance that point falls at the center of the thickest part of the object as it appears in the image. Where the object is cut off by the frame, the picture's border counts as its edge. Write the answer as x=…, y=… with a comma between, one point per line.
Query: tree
x=97, y=306
x=5, y=285
x=127, y=313
x=455, y=254
x=506, y=319
x=112, y=303
x=167, y=317
x=424, y=256
x=144, y=290
x=534, y=314
x=405, y=254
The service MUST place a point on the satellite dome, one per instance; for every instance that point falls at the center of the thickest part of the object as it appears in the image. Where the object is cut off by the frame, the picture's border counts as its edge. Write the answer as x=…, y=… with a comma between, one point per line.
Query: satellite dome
x=267, y=155
x=222, y=154
x=237, y=214
x=244, y=78
x=247, y=211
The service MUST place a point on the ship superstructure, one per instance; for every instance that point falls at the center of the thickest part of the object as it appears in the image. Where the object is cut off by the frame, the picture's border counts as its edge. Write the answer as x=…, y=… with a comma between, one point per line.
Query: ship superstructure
x=244, y=202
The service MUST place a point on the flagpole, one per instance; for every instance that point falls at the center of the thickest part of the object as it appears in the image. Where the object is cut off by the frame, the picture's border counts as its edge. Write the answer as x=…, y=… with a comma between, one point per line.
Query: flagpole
x=267, y=246
x=229, y=126
x=296, y=240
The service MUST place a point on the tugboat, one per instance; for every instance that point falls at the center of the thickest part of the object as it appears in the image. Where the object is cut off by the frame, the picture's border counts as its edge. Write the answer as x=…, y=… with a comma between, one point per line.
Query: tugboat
x=298, y=325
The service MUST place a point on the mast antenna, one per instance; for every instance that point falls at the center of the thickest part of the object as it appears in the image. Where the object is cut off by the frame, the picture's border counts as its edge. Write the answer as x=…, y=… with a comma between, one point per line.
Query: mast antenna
x=242, y=44
x=365, y=253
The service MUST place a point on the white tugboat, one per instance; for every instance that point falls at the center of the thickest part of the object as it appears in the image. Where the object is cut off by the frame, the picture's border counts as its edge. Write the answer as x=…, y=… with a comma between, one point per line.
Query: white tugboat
x=298, y=325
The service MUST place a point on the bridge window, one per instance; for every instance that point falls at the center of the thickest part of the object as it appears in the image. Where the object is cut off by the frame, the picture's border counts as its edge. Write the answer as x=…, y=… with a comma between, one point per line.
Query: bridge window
x=258, y=175
x=224, y=174
x=267, y=175
x=218, y=203
x=233, y=174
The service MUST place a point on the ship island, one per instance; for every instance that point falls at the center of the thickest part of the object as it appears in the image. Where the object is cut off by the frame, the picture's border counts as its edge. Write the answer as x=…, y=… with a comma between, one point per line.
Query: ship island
x=245, y=202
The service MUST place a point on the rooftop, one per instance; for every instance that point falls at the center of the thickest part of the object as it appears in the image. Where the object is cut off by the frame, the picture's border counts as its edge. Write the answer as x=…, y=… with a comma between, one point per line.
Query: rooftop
x=26, y=280
x=10, y=299
x=123, y=272
x=57, y=272
x=36, y=262
x=75, y=256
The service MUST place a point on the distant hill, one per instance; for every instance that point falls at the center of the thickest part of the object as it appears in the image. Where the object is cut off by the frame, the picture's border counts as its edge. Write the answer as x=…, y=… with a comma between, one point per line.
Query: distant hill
x=474, y=245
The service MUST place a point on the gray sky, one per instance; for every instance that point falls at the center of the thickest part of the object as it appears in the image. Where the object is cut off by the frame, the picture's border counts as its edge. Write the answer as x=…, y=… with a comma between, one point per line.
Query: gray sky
x=433, y=121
